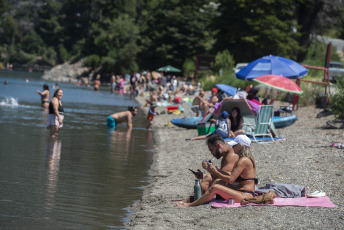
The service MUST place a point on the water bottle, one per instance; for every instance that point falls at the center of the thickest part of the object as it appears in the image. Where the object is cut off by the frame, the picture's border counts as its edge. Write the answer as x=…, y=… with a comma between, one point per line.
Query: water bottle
x=197, y=190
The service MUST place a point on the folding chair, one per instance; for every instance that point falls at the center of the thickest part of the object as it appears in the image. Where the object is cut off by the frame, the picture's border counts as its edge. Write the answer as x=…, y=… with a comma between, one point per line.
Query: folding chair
x=263, y=125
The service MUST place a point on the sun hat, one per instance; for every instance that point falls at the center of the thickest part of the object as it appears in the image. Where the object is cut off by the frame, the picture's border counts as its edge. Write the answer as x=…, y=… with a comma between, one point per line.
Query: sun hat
x=241, y=139
x=214, y=90
x=224, y=114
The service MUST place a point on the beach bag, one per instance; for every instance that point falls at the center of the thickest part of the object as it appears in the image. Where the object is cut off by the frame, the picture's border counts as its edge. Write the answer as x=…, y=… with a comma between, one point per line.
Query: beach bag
x=267, y=198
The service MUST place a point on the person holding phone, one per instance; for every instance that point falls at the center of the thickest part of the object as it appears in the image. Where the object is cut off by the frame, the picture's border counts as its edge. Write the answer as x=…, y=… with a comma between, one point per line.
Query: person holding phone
x=219, y=149
x=239, y=184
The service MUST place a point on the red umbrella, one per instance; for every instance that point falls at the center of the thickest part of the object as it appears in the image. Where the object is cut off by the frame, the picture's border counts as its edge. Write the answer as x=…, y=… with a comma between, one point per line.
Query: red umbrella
x=279, y=82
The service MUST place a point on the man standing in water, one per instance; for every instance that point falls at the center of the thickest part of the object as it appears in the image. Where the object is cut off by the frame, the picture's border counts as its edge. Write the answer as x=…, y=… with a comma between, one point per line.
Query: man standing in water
x=45, y=95
x=120, y=117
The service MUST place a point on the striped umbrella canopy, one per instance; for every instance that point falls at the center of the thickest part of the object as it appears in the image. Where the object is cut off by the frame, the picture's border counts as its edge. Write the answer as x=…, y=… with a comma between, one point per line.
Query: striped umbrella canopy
x=279, y=82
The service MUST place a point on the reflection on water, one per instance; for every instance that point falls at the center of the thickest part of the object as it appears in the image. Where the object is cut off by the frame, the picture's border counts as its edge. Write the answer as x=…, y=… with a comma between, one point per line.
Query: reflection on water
x=52, y=164
x=120, y=139
x=83, y=180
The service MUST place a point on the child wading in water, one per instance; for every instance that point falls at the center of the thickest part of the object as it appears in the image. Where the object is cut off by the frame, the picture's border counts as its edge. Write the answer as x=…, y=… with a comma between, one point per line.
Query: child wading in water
x=151, y=114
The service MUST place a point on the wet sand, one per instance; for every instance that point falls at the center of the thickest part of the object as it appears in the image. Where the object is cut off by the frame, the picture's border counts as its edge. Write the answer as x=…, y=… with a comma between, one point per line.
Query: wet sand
x=304, y=158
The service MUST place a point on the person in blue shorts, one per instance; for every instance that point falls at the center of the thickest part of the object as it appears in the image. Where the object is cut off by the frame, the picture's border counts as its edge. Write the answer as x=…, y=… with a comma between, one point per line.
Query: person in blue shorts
x=125, y=116
x=222, y=128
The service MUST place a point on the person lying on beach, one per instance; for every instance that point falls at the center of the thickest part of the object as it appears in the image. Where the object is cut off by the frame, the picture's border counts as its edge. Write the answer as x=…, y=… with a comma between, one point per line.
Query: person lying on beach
x=120, y=117
x=222, y=128
x=239, y=184
x=218, y=148
x=45, y=96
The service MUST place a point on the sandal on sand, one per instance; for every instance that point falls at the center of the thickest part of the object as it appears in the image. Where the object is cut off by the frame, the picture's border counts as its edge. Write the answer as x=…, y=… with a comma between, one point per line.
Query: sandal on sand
x=334, y=144
x=316, y=194
x=188, y=139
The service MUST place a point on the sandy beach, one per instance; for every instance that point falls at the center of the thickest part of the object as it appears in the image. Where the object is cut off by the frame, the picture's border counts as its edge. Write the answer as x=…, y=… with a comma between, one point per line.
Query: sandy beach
x=305, y=157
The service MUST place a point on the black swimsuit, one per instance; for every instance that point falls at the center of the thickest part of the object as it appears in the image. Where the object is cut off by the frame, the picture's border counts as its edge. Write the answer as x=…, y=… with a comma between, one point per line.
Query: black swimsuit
x=239, y=179
x=51, y=108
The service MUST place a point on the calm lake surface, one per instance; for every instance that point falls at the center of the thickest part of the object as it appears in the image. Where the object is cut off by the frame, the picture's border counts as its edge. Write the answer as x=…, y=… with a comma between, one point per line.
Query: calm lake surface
x=83, y=180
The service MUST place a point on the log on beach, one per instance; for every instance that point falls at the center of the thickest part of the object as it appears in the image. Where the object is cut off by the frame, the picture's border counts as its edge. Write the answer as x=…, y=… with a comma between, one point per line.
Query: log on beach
x=304, y=158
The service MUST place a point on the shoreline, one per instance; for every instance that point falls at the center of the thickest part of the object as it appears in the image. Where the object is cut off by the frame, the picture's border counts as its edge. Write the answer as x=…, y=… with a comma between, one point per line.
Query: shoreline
x=304, y=158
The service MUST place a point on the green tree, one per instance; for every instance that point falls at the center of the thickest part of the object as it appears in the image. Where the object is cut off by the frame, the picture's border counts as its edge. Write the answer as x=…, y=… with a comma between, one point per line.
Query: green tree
x=316, y=17
x=250, y=29
x=173, y=31
x=48, y=27
x=115, y=43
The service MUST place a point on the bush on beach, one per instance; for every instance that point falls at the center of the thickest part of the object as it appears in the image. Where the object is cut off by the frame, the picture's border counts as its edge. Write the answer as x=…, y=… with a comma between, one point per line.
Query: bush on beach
x=337, y=100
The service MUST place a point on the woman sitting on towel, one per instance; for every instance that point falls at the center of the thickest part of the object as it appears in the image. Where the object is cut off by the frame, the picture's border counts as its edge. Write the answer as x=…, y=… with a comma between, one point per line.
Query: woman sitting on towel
x=236, y=122
x=239, y=184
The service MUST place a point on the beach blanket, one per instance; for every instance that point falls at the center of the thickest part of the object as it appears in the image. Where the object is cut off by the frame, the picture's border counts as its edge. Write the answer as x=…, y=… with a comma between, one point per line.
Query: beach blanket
x=257, y=138
x=324, y=202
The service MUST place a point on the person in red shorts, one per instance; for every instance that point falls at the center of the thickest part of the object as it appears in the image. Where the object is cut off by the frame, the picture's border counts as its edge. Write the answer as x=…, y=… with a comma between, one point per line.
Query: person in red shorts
x=151, y=114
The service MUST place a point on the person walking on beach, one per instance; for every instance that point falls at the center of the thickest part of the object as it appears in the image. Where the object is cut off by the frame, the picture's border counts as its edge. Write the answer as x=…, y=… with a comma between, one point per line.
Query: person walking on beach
x=239, y=183
x=125, y=116
x=55, y=116
x=218, y=148
x=45, y=96
x=151, y=114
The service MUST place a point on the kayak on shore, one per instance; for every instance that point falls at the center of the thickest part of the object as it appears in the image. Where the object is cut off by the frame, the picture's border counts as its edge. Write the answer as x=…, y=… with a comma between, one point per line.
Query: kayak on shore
x=192, y=122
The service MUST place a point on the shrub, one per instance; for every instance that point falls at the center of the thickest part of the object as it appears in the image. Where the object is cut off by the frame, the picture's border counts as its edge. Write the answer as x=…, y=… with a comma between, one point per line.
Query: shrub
x=223, y=61
x=337, y=100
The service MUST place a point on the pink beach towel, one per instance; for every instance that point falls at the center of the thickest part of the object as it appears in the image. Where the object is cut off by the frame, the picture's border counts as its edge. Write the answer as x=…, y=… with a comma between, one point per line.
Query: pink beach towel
x=301, y=202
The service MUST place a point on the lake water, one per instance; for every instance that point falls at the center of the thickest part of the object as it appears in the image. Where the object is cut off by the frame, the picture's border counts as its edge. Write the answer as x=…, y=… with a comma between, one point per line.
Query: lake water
x=83, y=180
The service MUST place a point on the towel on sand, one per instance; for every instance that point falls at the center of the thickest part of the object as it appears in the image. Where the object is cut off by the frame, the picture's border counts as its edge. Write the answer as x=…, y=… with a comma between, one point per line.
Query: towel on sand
x=283, y=190
x=278, y=201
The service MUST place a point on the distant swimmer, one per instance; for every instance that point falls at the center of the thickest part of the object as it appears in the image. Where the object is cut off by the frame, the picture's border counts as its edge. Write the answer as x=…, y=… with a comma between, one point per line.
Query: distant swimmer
x=55, y=116
x=45, y=96
x=97, y=83
x=120, y=117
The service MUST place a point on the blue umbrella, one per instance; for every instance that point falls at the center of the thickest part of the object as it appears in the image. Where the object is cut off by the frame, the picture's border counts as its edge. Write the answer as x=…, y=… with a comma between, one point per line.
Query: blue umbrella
x=272, y=65
x=229, y=90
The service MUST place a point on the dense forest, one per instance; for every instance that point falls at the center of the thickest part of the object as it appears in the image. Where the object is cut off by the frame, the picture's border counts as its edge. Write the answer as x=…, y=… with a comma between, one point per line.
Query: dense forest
x=119, y=36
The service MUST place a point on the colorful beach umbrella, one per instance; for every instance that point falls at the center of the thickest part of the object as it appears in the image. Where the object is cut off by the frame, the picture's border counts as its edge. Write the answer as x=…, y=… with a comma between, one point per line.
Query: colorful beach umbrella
x=228, y=104
x=229, y=90
x=168, y=68
x=272, y=65
x=279, y=82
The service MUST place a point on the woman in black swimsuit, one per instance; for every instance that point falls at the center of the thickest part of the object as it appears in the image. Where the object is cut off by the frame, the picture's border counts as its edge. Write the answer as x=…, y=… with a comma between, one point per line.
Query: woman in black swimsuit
x=45, y=95
x=55, y=116
x=238, y=184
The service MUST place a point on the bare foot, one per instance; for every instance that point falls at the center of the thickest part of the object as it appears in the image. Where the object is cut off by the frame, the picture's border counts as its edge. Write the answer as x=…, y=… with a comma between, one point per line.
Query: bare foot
x=183, y=205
